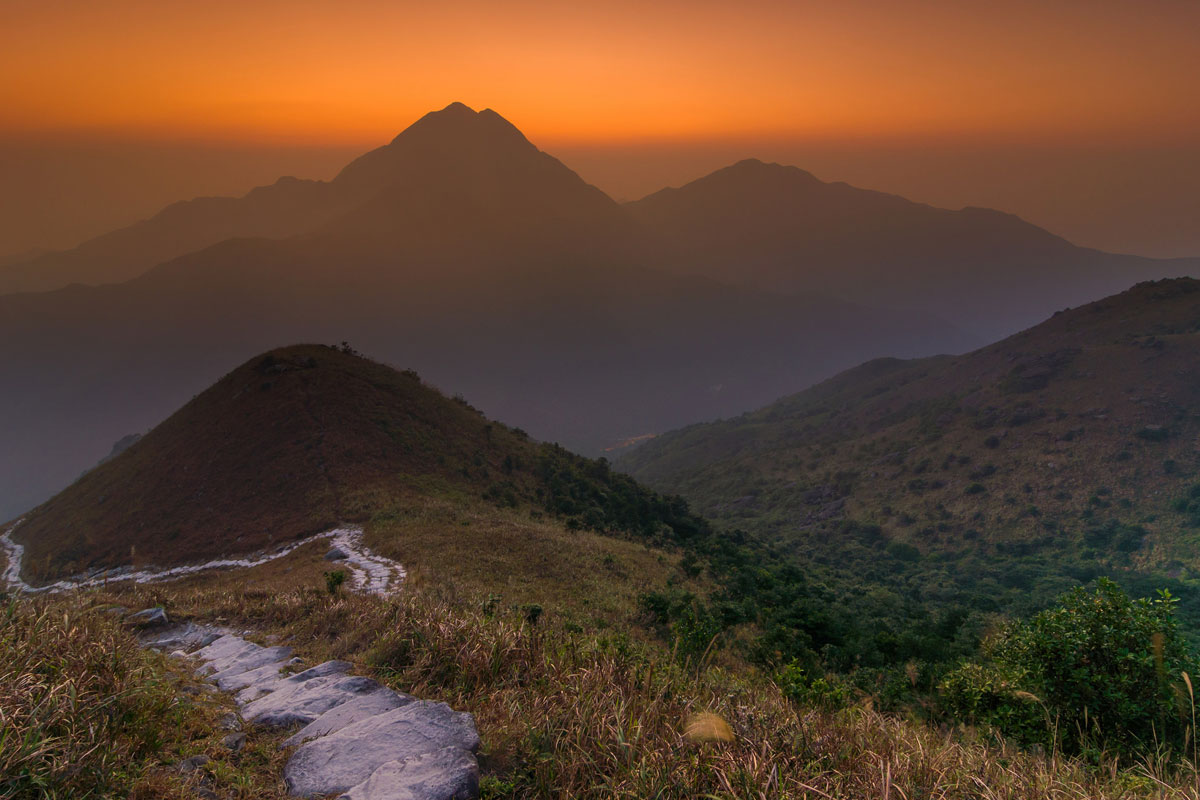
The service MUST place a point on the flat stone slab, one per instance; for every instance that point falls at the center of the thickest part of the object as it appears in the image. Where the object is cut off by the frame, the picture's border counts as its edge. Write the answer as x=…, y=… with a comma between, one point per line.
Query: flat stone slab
x=180, y=637
x=150, y=617
x=261, y=676
x=349, y=713
x=292, y=683
x=359, y=740
x=222, y=650
x=341, y=761
x=311, y=700
x=252, y=659
x=447, y=774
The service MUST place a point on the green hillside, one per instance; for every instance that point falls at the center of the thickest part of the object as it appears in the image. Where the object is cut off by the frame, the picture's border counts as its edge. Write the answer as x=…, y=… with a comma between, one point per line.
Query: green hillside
x=988, y=482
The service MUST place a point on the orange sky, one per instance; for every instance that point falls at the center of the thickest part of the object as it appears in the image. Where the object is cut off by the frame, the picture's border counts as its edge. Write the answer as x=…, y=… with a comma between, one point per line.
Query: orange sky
x=356, y=71
x=1080, y=115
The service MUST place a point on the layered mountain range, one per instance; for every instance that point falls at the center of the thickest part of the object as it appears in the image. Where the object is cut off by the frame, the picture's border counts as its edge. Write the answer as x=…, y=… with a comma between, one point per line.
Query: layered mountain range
x=461, y=250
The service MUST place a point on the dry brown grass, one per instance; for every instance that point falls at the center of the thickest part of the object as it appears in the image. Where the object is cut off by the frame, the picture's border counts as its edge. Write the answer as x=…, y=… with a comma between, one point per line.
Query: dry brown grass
x=284, y=446
x=86, y=712
x=599, y=715
x=592, y=578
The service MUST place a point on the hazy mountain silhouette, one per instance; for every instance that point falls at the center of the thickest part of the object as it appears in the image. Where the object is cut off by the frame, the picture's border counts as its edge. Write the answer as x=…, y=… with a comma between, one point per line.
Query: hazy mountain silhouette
x=473, y=158
x=284, y=208
x=459, y=250
x=779, y=227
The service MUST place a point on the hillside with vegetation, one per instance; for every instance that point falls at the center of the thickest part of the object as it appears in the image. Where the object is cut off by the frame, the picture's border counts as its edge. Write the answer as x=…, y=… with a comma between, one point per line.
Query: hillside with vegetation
x=458, y=249
x=562, y=709
x=607, y=640
x=300, y=439
x=980, y=484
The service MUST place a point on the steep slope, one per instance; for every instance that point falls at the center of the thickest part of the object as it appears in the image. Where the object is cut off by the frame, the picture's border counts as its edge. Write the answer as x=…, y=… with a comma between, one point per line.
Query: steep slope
x=1066, y=451
x=484, y=264
x=780, y=227
x=290, y=444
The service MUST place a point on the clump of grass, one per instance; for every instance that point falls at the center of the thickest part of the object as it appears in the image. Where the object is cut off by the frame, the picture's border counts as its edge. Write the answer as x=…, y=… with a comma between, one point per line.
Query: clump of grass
x=86, y=712
x=79, y=702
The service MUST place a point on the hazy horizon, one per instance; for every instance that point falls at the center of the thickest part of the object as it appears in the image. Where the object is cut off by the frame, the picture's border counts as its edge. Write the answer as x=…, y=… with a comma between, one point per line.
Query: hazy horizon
x=1077, y=117
x=1143, y=202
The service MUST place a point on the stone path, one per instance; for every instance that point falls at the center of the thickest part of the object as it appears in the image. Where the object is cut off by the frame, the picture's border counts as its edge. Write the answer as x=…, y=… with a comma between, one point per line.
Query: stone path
x=369, y=573
x=356, y=738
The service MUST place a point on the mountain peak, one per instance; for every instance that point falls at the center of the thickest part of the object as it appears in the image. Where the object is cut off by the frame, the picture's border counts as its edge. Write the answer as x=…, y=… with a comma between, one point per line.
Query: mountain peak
x=457, y=108
x=758, y=167
x=457, y=134
x=460, y=124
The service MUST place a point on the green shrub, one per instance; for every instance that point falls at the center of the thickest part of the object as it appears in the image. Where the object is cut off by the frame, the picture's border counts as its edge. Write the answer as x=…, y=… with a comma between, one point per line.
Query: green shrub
x=990, y=694
x=829, y=692
x=334, y=581
x=1102, y=670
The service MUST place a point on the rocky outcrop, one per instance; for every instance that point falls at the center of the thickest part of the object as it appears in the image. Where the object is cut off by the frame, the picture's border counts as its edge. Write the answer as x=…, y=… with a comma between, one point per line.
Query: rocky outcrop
x=357, y=739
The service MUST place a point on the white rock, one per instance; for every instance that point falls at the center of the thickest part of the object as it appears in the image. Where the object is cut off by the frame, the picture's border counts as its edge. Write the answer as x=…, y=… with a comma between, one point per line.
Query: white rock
x=291, y=683
x=447, y=774
x=222, y=648
x=311, y=700
x=347, y=758
x=150, y=617
x=349, y=713
x=250, y=660
x=264, y=675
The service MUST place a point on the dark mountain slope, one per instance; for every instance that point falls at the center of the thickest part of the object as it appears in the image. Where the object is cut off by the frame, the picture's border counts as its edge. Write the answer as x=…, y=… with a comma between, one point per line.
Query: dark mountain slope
x=568, y=351
x=292, y=443
x=773, y=226
x=1067, y=450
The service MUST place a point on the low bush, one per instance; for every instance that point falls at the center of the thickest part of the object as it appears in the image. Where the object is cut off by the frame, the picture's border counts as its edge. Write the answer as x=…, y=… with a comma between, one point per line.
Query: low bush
x=1100, y=674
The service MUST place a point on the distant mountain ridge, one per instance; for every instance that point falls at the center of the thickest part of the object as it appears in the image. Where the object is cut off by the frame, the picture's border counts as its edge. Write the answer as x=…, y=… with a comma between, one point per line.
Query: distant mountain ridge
x=985, y=271
x=482, y=262
x=765, y=226
x=456, y=145
x=462, y=250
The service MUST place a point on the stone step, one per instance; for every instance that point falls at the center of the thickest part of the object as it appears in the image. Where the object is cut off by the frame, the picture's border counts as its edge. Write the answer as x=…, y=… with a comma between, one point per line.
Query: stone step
x=357, y=738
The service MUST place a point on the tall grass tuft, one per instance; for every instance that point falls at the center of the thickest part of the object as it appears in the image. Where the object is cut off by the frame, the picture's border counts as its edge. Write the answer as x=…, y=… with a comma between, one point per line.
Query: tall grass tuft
x=81, y=704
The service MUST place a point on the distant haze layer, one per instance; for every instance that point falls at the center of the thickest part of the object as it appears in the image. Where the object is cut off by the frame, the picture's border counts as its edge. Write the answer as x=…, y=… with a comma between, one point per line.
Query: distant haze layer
x=1030, y=107
x=1119, y=198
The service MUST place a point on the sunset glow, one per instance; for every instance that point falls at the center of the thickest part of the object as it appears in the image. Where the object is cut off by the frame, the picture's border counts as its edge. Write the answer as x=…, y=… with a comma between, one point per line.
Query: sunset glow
x=357, y=72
